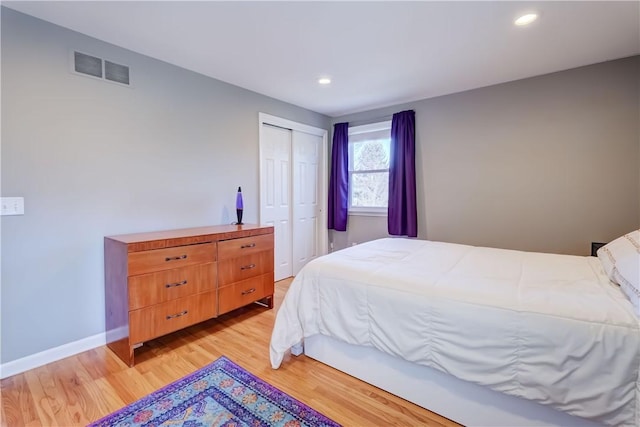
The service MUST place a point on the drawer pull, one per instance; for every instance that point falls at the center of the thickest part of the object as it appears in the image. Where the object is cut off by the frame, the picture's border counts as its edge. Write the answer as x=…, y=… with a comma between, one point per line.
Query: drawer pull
x=175, y=258
x=250, y=245
x=249, y=291
x=248, y=267
x=175, y=285
x=173, y=316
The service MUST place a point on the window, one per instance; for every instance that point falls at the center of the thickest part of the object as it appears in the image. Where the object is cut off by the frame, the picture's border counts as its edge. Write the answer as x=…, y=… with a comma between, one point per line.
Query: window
x=369, y=149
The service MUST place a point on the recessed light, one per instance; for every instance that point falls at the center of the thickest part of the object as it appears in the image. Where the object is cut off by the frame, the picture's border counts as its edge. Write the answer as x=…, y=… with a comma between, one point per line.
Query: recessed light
x=324, y=80
x=526, y=19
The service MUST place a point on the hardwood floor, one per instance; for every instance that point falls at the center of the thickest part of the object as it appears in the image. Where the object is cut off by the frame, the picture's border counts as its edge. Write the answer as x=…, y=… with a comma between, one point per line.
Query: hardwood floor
x=90, y=385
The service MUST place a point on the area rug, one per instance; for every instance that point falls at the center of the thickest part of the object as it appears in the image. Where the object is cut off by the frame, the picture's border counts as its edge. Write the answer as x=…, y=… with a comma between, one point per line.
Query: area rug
x=220, y=394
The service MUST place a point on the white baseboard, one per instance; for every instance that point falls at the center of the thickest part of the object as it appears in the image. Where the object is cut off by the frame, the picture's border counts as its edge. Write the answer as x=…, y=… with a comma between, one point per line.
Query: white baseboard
x=35, y=360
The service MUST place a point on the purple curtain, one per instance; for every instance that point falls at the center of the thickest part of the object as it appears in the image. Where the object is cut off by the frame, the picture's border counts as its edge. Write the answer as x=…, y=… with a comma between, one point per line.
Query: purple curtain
x=339, y=180
x=402, y=216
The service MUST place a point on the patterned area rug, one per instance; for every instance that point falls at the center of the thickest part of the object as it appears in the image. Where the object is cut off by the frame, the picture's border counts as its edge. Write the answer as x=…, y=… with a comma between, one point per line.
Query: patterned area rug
x=220, y=394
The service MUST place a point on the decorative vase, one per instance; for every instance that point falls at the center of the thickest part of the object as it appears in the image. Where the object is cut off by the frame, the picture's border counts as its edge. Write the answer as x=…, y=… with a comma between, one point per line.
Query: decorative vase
x=239, y=206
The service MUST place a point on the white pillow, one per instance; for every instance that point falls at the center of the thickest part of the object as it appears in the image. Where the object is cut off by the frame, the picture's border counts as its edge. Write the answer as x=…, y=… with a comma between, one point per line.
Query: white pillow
x=621, y=261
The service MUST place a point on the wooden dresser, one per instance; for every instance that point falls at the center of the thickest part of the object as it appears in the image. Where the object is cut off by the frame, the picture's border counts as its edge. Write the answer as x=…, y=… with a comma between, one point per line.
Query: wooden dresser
x=157, y=283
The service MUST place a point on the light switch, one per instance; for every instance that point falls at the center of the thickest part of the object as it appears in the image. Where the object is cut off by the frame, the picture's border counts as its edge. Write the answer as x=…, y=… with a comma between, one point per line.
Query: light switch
x=11, y=205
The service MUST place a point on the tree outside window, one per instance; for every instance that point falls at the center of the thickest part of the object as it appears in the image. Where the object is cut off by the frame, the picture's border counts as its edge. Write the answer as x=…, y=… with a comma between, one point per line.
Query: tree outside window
x=369, y=169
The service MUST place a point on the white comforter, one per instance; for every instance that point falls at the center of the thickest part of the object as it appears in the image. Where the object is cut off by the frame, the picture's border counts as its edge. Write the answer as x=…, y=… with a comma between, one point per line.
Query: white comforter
x=549, y=328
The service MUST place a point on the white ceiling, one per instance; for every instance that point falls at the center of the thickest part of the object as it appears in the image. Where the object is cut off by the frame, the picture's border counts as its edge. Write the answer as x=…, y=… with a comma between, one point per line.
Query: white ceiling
x=377, y=53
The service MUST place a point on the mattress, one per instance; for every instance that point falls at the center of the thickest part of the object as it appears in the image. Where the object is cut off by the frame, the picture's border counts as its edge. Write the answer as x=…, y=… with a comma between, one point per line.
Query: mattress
x=545, y=327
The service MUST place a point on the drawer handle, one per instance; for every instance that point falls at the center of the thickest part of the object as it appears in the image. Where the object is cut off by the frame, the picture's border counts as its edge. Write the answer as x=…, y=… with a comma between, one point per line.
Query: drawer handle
x=175, y=285
x=175, y=258
x=250, y=245
x=173, y=316
x=249, y=291
x=248, y=267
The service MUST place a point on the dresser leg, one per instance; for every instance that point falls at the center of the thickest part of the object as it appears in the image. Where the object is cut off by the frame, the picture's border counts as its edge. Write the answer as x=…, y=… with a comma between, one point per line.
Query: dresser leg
x=123, y=350
x=266, y=301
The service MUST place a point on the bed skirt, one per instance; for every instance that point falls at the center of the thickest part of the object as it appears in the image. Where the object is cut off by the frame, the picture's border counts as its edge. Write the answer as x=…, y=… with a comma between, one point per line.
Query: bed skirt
x=460, y=401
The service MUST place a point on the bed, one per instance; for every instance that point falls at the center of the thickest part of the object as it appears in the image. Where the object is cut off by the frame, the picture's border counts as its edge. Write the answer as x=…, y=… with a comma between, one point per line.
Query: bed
x=482, y=336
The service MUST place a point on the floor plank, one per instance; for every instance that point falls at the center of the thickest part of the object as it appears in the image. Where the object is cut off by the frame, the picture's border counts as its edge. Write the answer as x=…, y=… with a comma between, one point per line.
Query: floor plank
x=90, y=385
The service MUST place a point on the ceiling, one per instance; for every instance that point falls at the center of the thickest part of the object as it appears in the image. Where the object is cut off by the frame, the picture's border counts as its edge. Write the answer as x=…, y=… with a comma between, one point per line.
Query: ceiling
x=377, y=53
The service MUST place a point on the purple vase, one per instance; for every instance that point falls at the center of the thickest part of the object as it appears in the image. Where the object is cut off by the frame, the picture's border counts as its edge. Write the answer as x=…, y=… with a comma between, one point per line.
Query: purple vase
x=239, y=206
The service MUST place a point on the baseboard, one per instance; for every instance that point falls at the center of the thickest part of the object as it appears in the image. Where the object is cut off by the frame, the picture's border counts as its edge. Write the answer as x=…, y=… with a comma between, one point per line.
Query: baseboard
x=53, y=354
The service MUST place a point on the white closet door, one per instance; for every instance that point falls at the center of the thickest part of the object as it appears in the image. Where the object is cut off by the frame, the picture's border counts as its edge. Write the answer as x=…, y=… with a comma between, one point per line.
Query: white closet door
x=275, y=193
x=293, y=191
x=307, y=149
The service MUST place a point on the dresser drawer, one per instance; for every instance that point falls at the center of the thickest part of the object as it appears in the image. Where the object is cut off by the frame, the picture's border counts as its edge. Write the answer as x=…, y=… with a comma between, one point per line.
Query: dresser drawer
x=244, y=292
x=166, y=285
x=245, y=246
x=236, y=269
x=151, y=322
x=169, y=258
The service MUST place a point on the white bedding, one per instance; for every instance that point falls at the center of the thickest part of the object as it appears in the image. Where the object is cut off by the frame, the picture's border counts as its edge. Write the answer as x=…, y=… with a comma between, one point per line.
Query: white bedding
x=549, y=328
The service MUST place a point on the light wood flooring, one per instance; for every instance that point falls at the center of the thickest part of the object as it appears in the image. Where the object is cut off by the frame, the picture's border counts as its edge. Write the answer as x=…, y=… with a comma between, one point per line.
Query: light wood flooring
x=90, y=385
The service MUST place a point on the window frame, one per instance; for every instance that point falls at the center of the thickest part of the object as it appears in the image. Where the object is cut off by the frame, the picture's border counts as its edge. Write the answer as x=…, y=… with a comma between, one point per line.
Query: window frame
x=356, y=130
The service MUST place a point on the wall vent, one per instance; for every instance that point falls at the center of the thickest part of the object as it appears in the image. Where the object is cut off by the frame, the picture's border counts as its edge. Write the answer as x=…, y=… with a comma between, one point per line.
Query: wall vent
x=116, y=72
x=87, y=64
x=102, y=69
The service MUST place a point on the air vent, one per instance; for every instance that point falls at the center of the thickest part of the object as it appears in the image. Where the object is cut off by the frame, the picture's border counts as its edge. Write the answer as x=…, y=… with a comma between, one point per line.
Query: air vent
x=97, y=67
x=116, y=72
x=87, y=64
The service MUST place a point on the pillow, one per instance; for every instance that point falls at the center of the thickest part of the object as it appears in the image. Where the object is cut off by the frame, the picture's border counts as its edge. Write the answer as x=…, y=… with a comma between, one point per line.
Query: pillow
x=621, y=261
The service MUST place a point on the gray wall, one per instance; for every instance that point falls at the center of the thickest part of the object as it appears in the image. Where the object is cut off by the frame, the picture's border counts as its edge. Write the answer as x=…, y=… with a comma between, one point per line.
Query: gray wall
x=548, y=164
x=93, y=158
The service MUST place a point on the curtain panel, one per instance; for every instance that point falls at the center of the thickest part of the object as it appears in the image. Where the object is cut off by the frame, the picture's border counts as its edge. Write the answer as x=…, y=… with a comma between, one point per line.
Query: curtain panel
x=402, y=215
x=339, y=178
